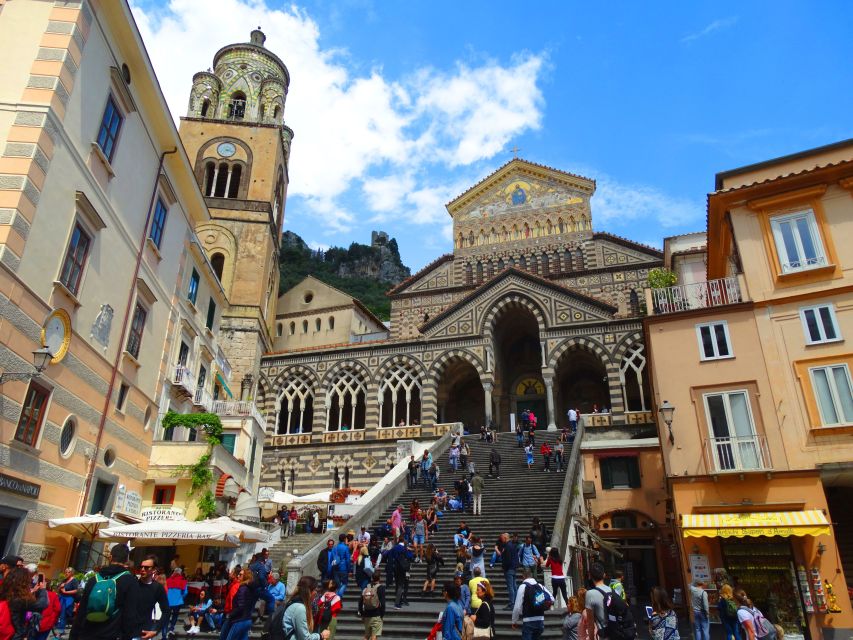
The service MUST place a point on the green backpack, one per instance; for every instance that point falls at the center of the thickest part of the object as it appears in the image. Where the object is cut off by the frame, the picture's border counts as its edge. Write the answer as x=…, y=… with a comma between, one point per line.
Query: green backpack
x=102, y=599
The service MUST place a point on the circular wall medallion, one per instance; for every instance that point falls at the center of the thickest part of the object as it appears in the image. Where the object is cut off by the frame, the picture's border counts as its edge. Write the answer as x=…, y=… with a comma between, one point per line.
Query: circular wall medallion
x=226, y=149
x=56, y=334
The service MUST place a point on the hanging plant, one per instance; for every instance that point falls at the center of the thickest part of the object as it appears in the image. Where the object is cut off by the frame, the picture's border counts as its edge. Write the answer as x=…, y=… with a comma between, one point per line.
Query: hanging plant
x=661, y=278
x=200, y=473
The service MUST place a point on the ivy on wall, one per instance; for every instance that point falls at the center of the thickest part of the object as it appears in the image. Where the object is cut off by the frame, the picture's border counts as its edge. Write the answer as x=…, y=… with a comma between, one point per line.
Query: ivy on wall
x=200, y=474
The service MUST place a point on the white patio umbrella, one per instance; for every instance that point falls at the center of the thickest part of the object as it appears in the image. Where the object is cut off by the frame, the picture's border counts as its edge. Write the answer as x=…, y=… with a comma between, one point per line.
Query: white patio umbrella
x=161, y=533
x=244, y=532
x=277, y=497
x=314, y=498
x=82, y=527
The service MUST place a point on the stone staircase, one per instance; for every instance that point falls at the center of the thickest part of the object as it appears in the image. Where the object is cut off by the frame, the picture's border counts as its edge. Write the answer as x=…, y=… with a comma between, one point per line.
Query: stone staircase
x=283, y=551
x=509, y=505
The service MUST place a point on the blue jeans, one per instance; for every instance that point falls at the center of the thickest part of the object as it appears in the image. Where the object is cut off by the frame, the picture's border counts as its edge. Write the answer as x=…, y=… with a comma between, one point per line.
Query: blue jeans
x=342, y=578
x=269, y=602
x=511, y=588
x=701, y=627
x=236, y=630
x=732, y=629
x=532, y=630
x=66, y=612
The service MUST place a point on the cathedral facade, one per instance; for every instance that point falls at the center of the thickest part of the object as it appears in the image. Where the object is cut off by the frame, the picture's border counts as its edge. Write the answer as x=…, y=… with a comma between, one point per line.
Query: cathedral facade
x=532, y=310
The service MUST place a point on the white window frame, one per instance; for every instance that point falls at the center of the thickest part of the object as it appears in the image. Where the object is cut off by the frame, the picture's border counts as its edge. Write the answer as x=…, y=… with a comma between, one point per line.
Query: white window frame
x=732, y=447
x=785, y=261
x=710, y=326
x=815, y=309
x=833, y=390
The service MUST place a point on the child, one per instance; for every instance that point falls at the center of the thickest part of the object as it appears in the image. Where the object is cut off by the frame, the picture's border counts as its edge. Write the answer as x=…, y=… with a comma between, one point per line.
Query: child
x=529, y=451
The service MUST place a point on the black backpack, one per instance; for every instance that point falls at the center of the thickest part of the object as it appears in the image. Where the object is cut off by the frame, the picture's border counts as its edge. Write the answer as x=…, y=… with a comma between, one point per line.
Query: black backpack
x=620, y=622
x=402, y=562
x=536, y=600
x=274, y=626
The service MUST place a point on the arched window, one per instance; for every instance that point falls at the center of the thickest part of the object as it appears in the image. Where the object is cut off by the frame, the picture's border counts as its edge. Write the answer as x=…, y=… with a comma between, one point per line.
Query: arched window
x=292, y=328
x=297, y=406
x=479, y=272
x=217, y=261
x=205, y=107
x=346, y=401
x=567, y=260
x=261, y=112
x=631, y=375
x=276, y=113
x=237, y=106
x=234, y=181
x=534, y=264
x=209, y=178
x=304, y=326
x=400, y=397
x=460, y=242
x=546, y=266
x=317, y=324
x=346, y=476
x=501, y=264
x=278, y=330
x=561, y=226
x=522, y=262
x=337, y=480
x=490, y=269
x=634, y=302
x=222, y=175
x=468, y=275
x=331, y=323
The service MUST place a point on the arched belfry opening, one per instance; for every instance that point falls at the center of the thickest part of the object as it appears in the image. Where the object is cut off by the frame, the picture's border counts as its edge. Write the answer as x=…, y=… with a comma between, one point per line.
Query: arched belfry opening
x=517, y=349
x=460, y=394
x=580, y=382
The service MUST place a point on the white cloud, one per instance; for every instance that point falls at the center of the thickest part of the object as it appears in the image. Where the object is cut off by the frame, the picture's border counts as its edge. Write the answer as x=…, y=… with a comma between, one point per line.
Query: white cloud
x=615, y=203
x=317, y=246
x=383, y=137
x=710, y=28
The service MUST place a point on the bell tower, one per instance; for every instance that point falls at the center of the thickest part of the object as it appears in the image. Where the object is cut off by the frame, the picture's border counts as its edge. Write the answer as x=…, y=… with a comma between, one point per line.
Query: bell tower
x=235, y=135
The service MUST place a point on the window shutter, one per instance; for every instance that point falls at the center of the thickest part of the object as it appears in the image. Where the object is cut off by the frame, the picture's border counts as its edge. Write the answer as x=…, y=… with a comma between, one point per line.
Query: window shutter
x=633, y=472
x=606, y=476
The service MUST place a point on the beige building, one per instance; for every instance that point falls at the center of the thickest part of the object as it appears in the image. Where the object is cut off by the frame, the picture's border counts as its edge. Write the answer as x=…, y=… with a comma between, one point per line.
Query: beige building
x=98, y=205
x=759, y=457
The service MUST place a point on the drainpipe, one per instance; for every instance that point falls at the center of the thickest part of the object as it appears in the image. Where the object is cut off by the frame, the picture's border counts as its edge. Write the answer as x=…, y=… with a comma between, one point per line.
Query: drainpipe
x=90, y=474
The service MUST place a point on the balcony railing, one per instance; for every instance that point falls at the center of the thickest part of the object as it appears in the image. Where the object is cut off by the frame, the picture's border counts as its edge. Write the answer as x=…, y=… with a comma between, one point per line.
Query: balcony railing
x=699, y=295
x=239, y=408
x=737, y=454
x=183, y=378
x=202, y=398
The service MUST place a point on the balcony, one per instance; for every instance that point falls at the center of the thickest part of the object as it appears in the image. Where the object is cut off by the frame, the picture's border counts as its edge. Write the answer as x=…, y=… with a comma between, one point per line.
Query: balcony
x=182, y=379
x=229, y=408
x=167, y=457
x=699, y=295
x=202, y=399
x=737, y=455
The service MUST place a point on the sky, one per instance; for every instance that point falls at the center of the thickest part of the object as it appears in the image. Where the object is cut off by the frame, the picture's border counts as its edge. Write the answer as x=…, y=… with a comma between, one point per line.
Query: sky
x=399, y=107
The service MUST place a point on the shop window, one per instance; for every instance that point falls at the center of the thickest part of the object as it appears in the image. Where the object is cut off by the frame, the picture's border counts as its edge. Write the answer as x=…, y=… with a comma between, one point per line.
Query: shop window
x=714, y=341
x=32, y=414
x=798, y=242
x=137, y=327
x=819, y=324
x=164, y=495
x=833, y=393
x=620, y=473
x=192, y=289
x=75, y=259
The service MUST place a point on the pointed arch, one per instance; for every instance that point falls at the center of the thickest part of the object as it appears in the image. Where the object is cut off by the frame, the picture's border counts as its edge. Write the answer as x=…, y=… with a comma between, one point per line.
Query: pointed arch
x=218, y=240
x=346, y=399
x=507, y=300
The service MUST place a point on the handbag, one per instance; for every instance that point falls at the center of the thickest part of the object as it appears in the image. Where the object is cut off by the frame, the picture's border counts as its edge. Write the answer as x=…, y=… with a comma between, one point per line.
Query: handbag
x=482, y=633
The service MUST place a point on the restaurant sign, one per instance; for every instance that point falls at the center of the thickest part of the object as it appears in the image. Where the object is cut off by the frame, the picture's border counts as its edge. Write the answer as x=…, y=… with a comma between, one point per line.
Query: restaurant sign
x=162, y=513
x=21, y=487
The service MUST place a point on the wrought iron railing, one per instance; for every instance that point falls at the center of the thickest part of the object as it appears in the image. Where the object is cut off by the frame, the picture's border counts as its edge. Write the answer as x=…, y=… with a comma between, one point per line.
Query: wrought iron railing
x=699, y=295
x=737, y=454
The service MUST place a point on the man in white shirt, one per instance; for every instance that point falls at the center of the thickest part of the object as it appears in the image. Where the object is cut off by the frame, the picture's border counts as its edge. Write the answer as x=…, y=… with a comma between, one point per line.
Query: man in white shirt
x=364, y=536
x=531, y=617
x=573, y=419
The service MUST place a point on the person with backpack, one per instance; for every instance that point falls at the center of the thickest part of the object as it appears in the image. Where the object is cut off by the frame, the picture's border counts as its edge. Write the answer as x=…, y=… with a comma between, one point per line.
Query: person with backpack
x=341, y=564
x=546, y=451
x=326, y=607
x=755, y=626
x=509, y=564
x=529, y=556
x=453, y=616
x=49, y=615
x=297, y=621
x=699, y=605
x=554, y=562
x=371, y=608
x=363, y=568
x=401, y=558
x=494, y=464
x=663, y=625
x=609, y=614
x=260, y=572
x=531, y=603
x=108, y=608
x=727, y=608
x=176, y=591
x=558, y=455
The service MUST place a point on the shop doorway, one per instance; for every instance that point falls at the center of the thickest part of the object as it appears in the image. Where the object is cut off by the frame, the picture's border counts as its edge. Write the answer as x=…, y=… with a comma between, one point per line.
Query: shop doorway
x=8, y=526
x=639, y=565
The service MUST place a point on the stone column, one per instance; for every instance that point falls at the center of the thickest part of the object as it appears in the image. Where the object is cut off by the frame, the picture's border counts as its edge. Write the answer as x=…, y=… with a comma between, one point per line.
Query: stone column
x=549, y=394
x=487, y=394
x=617, y=400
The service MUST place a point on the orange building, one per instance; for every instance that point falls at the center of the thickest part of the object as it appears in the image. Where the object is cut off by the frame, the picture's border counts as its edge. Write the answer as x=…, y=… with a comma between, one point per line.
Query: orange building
x=755, y=363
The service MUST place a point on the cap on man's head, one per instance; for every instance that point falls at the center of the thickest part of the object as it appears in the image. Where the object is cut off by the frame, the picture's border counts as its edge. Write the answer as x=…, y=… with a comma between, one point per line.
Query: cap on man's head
x=10, y=561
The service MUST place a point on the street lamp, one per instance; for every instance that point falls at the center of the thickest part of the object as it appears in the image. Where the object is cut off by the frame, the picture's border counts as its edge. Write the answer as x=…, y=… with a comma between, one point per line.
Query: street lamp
x=41, y=358
x=666, y=410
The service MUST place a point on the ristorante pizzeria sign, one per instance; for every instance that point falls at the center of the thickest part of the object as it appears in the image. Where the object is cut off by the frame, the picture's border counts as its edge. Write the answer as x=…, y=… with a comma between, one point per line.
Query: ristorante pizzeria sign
x=21, y=487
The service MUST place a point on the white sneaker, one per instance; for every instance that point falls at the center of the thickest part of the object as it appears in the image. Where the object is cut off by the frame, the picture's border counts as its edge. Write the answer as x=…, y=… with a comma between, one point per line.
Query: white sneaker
x=193, y=630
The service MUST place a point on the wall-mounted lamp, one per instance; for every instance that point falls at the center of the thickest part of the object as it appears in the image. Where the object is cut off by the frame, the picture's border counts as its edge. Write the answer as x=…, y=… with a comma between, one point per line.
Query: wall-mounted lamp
x=666, y=410
x=821, y=548
x=41, y=358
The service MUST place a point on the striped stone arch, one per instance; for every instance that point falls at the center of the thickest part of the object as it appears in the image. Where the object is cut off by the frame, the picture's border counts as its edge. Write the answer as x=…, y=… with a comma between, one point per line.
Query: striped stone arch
x=508, y=300
x=588, y=344
x=346, y=364
x=624, y=343
x=385, y=366
x=296, y=369
x=441, y=362
x=265, y=397
x=345, y=461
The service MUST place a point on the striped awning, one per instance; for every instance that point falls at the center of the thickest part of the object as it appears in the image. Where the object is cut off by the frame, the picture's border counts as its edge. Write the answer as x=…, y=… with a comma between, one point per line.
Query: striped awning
x=740, y=525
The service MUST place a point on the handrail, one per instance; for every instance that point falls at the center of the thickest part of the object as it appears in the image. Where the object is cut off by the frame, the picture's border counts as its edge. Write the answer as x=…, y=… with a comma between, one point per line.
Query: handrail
x=560, y=534
x=395, y=483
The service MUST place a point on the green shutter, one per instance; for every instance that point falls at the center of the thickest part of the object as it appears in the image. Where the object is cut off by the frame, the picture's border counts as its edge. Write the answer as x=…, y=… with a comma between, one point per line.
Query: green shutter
x=228, y=440
x=633, y=472
x=606, y=477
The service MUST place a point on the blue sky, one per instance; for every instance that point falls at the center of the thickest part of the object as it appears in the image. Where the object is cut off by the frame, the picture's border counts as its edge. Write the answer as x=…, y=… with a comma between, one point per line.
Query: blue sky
x=399, y=106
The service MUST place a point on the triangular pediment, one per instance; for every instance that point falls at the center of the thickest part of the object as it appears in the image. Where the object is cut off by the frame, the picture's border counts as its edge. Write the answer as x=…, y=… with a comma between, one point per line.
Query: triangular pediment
x=521, y=186
x=436, y=275
x=557, y=306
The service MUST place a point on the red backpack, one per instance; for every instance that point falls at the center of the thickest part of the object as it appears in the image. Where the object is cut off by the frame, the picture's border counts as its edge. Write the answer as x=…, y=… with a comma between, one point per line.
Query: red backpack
x=50, y=614
x=6, y=628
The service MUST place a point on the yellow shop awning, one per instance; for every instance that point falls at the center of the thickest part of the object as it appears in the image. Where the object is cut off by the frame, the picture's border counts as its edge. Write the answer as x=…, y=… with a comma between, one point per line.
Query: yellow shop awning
x=740, y=525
